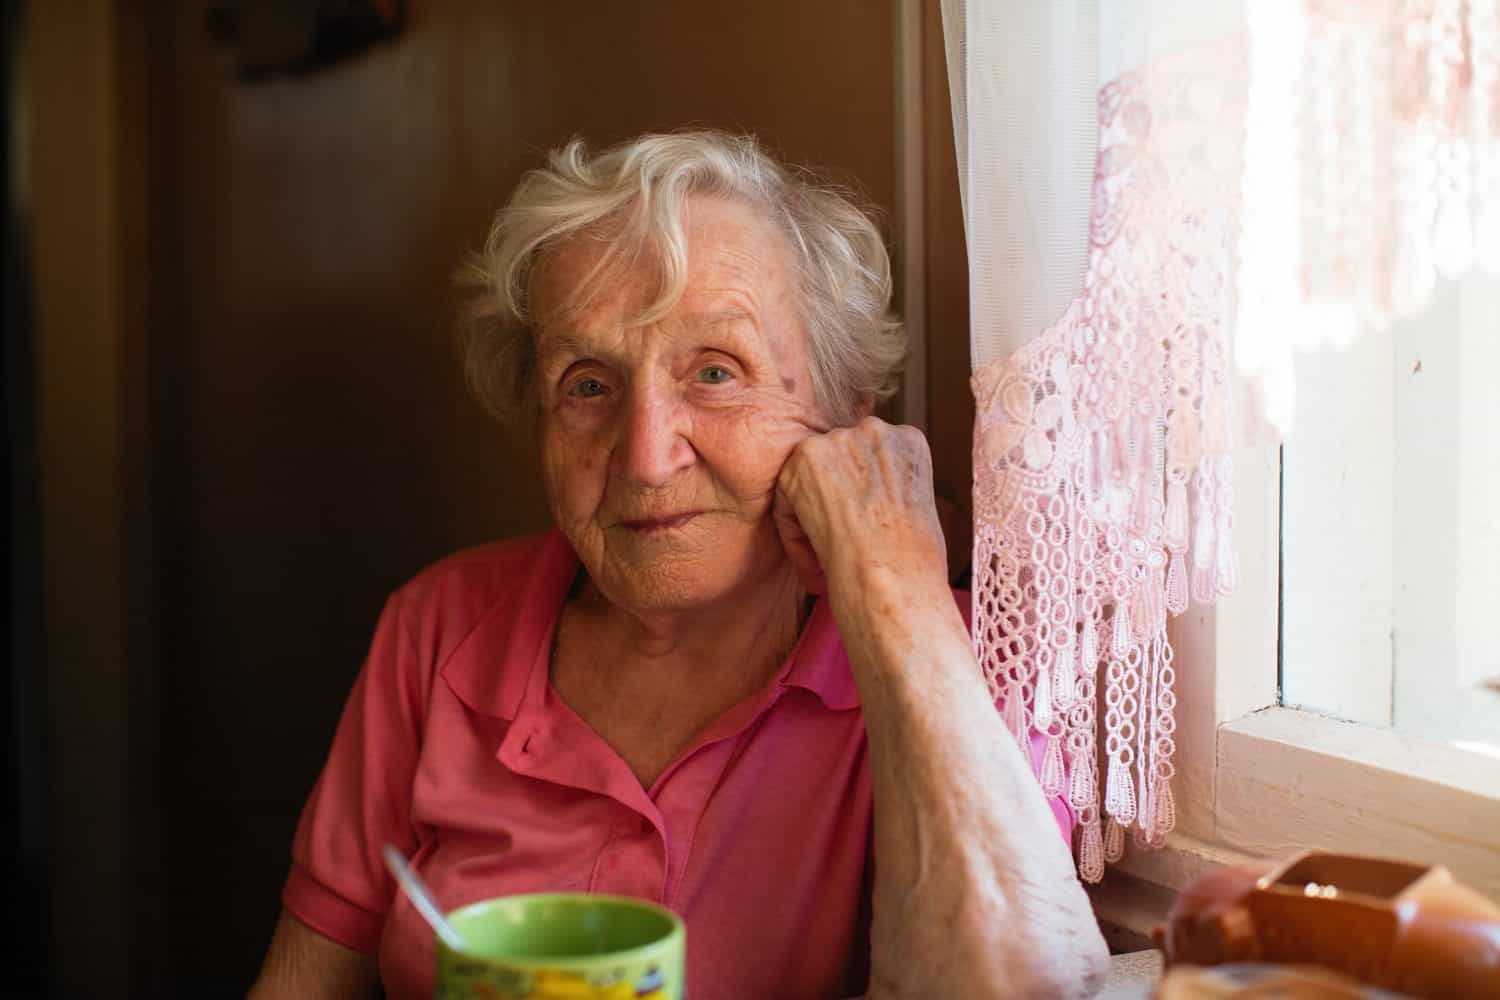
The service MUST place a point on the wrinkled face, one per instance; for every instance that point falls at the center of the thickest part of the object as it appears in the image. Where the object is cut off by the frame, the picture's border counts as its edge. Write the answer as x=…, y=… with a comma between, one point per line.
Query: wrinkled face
x=661, y=443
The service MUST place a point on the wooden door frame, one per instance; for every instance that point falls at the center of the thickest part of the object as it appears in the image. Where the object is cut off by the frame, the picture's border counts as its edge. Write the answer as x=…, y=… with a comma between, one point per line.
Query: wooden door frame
x=87, y=71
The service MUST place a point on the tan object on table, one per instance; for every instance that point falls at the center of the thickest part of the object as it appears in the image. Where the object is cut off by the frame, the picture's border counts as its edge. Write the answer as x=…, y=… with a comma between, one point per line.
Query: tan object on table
x=1389, y=924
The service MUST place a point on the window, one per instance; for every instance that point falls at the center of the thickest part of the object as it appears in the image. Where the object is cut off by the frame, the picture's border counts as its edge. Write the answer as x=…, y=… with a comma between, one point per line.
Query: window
x=1391, y=540
x=1301, y=723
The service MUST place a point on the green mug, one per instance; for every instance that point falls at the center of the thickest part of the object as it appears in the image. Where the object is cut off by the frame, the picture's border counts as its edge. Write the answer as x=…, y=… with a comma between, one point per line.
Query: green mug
x=563, y=946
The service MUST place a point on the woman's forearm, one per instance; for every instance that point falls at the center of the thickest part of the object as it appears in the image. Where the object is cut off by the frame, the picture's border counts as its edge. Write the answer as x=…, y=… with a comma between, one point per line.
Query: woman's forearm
x=303, y=964
x=975, y=893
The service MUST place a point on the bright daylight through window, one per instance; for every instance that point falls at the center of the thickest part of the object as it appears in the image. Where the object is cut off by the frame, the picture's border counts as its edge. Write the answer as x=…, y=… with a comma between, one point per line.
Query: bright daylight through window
x=1391, y=527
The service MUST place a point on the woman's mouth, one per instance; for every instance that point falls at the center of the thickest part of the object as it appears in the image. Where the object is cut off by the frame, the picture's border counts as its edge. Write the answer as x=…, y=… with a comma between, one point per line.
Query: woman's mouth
x=659, y=525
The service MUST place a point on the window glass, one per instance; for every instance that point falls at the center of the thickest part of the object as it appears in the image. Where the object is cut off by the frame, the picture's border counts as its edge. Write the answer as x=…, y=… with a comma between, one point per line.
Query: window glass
x=1391, y=525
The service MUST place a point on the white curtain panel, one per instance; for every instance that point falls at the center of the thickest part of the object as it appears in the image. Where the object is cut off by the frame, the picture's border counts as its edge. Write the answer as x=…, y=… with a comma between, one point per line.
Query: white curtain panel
x=1023, y=79
x=1136, y=174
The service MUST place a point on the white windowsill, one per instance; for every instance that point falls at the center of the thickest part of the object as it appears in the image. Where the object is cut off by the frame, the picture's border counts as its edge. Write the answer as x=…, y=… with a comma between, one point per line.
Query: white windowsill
x=1287, y=780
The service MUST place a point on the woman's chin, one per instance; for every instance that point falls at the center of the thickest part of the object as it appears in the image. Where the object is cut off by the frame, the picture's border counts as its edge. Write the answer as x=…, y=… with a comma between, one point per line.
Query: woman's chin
x=669, y=582
x=668, y=589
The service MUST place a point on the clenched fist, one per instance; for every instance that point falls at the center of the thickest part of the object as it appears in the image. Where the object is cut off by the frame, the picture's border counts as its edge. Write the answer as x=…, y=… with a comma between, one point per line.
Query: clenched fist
x=855, y=503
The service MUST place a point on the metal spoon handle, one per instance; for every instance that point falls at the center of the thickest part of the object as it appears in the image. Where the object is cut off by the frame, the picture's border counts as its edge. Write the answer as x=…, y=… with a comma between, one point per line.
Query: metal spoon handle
x=416, y=890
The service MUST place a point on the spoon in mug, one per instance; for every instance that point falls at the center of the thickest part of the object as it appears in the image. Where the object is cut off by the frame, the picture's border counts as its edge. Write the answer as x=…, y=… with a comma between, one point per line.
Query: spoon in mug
x=421, y=897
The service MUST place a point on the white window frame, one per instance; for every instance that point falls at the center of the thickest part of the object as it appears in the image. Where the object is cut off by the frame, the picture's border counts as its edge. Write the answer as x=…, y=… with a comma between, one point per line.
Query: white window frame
x=1258, y=780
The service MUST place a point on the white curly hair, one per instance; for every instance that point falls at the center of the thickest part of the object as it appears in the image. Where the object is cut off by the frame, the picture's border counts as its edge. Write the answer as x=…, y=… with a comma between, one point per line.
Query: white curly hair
x=632, y=196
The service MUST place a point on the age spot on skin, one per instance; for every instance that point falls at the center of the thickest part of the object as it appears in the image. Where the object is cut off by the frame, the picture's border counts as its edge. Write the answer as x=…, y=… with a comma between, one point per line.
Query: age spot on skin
x=789, y=384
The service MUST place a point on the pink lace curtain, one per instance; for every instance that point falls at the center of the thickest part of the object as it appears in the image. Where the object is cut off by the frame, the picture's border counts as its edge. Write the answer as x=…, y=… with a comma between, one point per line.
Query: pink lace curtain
x=1229, y=200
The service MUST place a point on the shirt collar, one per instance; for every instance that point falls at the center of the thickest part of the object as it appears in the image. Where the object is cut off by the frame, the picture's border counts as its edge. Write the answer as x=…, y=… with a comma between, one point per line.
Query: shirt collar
x=818, y=663
x=492, y=668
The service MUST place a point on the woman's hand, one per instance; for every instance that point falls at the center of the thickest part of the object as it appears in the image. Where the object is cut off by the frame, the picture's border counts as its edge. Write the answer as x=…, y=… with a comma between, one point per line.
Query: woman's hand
x=857, y=502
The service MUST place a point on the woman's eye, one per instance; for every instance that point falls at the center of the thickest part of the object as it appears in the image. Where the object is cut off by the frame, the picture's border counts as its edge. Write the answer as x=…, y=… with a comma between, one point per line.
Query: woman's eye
x=588, y=388
x=715, y=375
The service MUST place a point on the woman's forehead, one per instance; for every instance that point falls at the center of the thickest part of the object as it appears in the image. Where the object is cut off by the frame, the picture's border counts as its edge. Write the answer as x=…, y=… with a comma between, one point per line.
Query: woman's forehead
x=691, y=325
x=736, y=267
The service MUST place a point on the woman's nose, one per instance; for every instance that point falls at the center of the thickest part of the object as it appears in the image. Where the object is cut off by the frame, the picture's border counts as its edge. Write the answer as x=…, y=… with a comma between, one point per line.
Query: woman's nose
x=652, y=448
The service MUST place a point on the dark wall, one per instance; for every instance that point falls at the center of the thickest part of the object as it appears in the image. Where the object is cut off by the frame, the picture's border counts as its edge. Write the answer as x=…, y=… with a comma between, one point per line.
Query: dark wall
x=23, y=836
x=312, y=443
x=950, y=404
x=242, y=422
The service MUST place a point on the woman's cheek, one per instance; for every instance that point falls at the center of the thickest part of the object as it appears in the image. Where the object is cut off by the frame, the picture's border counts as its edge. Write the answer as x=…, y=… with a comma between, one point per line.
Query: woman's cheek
x=572, y=464
x=576, y=416
x=748, y=461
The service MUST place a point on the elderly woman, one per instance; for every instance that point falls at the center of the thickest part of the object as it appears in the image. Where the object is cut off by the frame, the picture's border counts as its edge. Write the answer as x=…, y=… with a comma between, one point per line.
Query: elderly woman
x=733, y=680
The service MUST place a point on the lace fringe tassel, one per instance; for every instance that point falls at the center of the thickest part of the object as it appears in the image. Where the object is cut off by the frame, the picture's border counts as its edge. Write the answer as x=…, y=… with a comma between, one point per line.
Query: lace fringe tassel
x=1119, y=640
x=1041, y=702
x=1098, y=458
x=1054, y=777
x=1119, y=453
x=1205, y=546
x=1114, y=841
x=1064, y=679
x=1204, y=584
x=1015, y=716
x=1119, y=792
x=1141, y=514
x=1088, y=648
x=1176, y=522
x=1151, y=608
x=1091, y=853
x=1165, y=817
x=1081, y=783
x=1227, y=564
x=1177, y=587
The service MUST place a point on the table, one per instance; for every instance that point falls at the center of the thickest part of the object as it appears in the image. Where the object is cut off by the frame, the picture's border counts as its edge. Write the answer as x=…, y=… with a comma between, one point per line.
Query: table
x=1132, y=976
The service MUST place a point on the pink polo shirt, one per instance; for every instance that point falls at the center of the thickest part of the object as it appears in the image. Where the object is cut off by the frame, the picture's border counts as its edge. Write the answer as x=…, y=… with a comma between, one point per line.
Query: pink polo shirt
x=454, y=747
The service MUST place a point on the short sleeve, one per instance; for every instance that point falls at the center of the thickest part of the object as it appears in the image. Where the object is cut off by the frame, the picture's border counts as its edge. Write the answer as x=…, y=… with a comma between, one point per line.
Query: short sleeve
x=338, y=884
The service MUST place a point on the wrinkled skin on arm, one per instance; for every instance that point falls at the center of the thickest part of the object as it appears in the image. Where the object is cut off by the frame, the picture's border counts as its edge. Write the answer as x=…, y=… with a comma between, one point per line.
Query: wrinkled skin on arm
x=975, y=894
x=302, y=963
